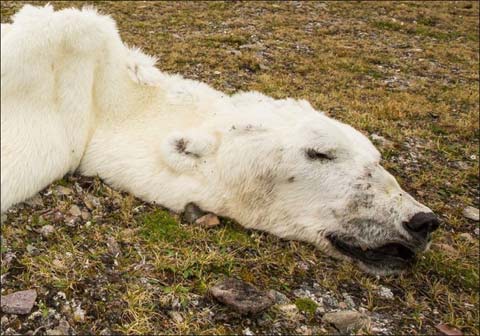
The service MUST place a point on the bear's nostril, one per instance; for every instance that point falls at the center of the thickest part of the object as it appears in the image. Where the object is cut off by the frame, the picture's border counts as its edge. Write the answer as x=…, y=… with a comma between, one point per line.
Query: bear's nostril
x=422, y=223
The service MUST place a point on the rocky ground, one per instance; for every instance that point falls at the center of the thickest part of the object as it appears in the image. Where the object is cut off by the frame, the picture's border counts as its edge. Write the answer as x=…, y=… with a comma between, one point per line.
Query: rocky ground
x=406, y=73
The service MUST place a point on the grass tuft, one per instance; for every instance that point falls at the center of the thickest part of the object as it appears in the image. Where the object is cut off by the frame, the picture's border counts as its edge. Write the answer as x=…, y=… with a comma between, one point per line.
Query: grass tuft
x=407, y=71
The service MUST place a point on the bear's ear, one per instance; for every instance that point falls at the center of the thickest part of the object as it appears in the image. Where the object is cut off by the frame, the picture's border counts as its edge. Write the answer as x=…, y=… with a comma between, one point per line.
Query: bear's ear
x=141, y=68
x=183, y=151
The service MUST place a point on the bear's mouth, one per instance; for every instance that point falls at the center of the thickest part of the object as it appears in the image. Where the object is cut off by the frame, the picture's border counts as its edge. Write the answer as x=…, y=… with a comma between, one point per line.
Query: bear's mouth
x=392, y=256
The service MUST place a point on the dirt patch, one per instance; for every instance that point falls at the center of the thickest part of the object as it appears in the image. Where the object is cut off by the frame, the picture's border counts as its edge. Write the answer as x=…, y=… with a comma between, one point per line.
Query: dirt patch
x=405, y=71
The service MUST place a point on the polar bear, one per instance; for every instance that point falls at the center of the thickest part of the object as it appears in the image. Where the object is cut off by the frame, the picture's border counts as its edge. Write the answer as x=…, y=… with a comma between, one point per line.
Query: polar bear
x=74, y=97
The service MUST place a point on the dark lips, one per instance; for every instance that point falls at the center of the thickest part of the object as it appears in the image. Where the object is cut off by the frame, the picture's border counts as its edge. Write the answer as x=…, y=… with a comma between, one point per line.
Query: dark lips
x=391, y=255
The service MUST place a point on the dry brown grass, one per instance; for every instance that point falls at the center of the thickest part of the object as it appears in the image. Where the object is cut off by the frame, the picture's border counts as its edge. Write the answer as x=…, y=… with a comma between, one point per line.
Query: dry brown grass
x=406, y=70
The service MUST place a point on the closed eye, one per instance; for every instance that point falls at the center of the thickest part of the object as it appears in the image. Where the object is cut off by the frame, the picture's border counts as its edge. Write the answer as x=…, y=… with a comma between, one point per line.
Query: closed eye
x=313, y=154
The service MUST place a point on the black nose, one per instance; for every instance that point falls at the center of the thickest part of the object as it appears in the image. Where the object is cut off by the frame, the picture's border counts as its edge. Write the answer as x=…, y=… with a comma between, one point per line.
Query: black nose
x=421, y=224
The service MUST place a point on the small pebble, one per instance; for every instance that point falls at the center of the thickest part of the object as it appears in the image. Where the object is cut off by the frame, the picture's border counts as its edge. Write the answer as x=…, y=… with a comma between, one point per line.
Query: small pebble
x=75, y=211
x=247, y=332
x=380, y=140
x=61, y=190
x=208, y=221
x=63, y=328
x=279, y=298
x=347, y=320
x=47, y=230
x=175, y=316
x=113, y=246
x=288, y=309
x=471, y=213
x=35, y=201
x=385, y=292
x=79, y=314
x=4, y=320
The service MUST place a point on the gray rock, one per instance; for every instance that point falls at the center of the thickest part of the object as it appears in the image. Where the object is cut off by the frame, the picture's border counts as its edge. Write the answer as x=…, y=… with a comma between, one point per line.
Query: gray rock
x=208, y=221
x=4, y=321
x=75, y=211
x=278, y=297
x=347, y=320
x=289, y=310
x=91, y=202
x=10, y=331
x=466, y=236
x=348, y=300
x=304, y=266
x=380, y=140
x=79, y=314
x=447, y=330
x=78, y=189
x=105, y=332
x=47, y=230
x=461, y=165
x=35, y=315
x=247, y=332
x=63, y=328
x=7, y=259
x=85, y=215
x=19, y=302
x=385, y=292
x=236, y=52
x=255, y=46
x=329, y=301
x=175, y=316
x=304, y=330
x=264, y=67
x=241, y=296
x=71, y=221
x=32, y=250
x=192, y=212
x=471, y=213
x=61, y=190
x=113, y=246
x=35, y=201
x=301, y=292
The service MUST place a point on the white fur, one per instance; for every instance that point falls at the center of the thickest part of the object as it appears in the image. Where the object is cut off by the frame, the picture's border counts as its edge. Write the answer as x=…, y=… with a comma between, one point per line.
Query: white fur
x=71, y=91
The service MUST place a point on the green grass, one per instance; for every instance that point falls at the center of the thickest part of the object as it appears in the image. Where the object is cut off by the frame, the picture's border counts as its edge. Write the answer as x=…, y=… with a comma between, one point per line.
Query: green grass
x=160, y=226
x=387, y=25
x=306, y=305
x=336, y=55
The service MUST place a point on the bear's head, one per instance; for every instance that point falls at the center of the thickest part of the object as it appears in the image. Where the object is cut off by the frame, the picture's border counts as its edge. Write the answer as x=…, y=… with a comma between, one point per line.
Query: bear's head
x=284, y=168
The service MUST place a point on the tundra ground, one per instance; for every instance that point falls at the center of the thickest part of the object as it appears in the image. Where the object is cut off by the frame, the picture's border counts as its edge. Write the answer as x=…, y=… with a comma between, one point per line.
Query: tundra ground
x=408, y=71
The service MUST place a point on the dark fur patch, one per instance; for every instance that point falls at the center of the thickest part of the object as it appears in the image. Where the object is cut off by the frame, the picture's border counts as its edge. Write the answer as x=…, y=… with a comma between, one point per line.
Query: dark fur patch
x=291, y=179
x=181, y=145
x=313, y=154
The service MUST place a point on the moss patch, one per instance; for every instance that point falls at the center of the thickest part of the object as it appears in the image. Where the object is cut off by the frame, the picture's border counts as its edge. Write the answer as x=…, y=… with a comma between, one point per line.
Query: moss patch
x=160, y=226
x=306, y=305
